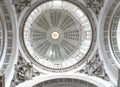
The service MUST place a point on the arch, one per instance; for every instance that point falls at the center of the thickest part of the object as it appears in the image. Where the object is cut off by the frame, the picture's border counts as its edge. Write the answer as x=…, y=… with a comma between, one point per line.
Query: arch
x=90, y=79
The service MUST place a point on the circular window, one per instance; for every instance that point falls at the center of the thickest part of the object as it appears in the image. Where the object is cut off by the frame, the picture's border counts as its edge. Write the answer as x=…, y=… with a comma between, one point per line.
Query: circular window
x=57, y=35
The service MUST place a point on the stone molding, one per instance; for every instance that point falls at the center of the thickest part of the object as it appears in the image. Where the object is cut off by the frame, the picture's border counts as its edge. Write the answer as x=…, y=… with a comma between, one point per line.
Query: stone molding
x=23, y=71
x=95, y=67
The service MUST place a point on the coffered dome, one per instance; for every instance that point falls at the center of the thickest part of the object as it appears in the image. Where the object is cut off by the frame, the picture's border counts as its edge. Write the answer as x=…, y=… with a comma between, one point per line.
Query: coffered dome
x=65, y=82
x=57, y=35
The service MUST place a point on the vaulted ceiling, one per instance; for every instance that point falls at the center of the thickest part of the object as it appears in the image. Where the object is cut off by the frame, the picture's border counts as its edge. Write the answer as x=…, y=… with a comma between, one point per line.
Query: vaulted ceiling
x=71, y=42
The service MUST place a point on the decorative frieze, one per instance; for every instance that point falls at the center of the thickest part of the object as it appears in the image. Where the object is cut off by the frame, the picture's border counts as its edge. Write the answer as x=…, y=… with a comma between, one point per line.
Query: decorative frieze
x=95, y=5
x=23, y=71
x=21, y=4
x=95, y=67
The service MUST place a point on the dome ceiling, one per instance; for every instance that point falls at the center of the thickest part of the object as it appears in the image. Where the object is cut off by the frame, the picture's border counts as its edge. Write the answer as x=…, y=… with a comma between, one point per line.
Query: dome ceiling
x=115, y=34
x=65, y=82
x=57, y=35
x=111, y=37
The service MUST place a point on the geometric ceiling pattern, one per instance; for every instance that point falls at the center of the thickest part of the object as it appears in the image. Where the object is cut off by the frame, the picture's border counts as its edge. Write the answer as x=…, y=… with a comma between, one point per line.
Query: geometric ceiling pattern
x=65, y=82
x=55, y=36
x=43, y=38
